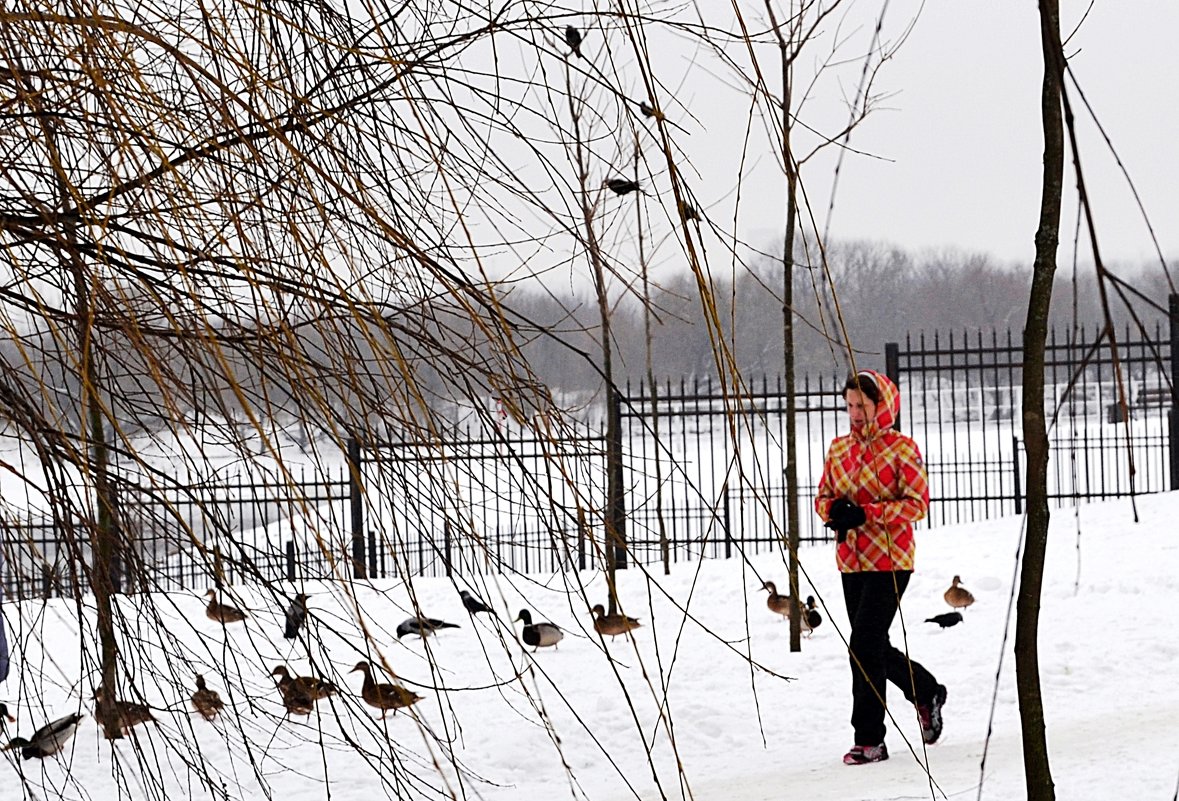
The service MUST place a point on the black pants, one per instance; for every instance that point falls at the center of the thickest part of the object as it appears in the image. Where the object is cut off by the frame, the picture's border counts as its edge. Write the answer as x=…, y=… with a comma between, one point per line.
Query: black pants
x=872, y=599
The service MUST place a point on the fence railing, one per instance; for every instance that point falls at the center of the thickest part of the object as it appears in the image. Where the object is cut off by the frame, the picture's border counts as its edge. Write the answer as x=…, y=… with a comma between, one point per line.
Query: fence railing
x=704, y=475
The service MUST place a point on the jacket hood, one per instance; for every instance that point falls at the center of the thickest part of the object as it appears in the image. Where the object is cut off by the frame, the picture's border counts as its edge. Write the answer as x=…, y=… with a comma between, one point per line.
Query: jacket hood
x=888, y=410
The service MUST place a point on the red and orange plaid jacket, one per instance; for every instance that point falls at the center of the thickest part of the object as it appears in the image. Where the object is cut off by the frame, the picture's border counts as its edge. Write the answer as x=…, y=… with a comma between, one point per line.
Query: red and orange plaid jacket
x=881, y=470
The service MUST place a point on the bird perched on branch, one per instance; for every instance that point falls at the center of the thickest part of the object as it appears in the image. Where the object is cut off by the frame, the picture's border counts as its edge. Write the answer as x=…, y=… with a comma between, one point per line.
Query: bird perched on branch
x=539, y=635
x=473, y=604
x=296, y=616
x=573, y=39
x=422, y=626
x=299, y=693
x=47, y=740
x=958, y=597
x=776, y=602
x=649, y=111
x=207, y=702
x=612, y=624
x=946, y=620
x=621, y=186
x=222, y=613
x=384, y=696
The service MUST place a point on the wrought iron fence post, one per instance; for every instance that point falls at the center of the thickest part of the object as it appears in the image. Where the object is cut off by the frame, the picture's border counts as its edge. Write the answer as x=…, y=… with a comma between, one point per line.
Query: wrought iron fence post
x=892, y=369
x=291, y=561
x=446, y=543
x=356, y=499
x=1015, y=474
x=580, y=539
x=727, y=521
x=1173, y=445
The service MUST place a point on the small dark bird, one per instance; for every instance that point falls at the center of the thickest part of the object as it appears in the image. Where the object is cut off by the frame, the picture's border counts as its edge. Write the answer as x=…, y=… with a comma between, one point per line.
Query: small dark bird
x=946, y=620
x=422, y=626
x=573, y=39
x=811, y=619
x=689, y=211
x=222, y=613
x=296, y=616
x=473, y=604
x=539, y=635
x=649, y=111
x=47, y=740
x=621, y=186
x=206, y=701
x=958, y=597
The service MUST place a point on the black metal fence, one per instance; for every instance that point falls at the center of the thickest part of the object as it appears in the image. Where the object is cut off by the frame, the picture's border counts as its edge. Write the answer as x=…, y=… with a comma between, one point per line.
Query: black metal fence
x=704, y=474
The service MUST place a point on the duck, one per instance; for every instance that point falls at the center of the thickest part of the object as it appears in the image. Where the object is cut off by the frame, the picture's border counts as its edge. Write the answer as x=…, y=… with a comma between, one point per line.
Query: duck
x=472, y=604
x=958, y=597
x=47, y=740
x=422, y=626
x=382, y=695
x=207, y=702
x=811, y=619
x=612, y=624
x=946, y=620
x=299, y=693
x=222, y=613
x=539, y=635
x=296, y=616
x=130, y=713
x=776, y=603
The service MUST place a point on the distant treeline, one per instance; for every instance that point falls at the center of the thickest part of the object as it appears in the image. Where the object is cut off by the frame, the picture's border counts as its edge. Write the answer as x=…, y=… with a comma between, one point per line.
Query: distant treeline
x=883, y=293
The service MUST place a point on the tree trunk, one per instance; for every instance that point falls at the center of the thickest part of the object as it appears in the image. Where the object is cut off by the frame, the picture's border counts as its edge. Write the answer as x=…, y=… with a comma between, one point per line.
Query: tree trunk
x=1037, y=771
x=792, y=522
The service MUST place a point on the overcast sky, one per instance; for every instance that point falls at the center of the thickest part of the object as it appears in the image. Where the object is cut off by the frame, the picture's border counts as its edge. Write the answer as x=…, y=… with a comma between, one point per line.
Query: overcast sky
x=955, y=145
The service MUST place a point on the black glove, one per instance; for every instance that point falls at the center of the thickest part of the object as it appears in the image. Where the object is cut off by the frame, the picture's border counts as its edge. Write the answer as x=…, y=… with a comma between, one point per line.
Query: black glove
x=844, y=516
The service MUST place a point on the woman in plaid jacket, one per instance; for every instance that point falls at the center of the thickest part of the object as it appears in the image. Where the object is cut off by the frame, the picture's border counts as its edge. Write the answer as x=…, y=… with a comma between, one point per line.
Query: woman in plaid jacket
x=874, y=488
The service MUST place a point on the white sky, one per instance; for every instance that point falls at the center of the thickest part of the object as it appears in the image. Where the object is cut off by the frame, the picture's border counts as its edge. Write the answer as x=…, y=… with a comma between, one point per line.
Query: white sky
x=960, y=141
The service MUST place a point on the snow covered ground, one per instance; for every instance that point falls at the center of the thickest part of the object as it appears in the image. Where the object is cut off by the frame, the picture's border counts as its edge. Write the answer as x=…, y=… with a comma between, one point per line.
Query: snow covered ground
x=705, y=702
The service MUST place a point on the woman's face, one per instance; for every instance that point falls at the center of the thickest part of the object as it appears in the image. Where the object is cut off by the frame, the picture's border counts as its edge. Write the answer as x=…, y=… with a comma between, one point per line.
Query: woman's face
x=860, y=408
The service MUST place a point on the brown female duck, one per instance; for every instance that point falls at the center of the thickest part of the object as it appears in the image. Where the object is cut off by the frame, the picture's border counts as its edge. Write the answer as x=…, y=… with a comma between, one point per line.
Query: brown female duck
x=299, y=693
x=222, y=613
x=958, y=597
x=612, y=625
x=207, y=702
x=777, y=603
x=384, y=696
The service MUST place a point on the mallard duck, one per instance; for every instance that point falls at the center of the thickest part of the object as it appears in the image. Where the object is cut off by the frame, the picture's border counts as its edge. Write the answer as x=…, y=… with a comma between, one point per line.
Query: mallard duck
x=206, y=701
x=958, y=597
x=299, y=693
x=47, y=740
x=776, y=603
x=473, y=604
x=130, y=713
x=222, y=613
x=384, y=696
x=539, y=635
x=422, y=626
x=811, y=619
x=612, y=624
x=296, y=616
